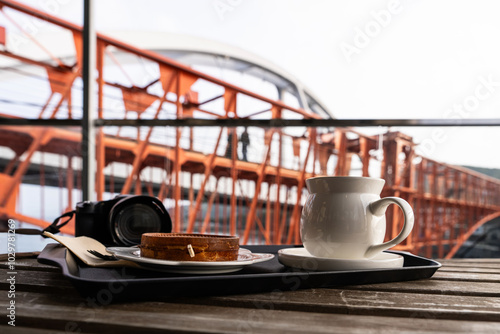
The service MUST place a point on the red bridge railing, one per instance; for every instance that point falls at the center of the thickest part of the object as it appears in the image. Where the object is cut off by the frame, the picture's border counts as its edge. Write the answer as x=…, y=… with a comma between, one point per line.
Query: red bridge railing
x=211, y=180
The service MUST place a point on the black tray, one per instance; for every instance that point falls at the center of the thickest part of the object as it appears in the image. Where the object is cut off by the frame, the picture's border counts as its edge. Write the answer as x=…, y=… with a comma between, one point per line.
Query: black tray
x=137, y=284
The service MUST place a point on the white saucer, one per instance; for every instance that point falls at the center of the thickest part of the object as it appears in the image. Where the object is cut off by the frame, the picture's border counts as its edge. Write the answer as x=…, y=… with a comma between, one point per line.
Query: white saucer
x=302, y=259
x=245, y=258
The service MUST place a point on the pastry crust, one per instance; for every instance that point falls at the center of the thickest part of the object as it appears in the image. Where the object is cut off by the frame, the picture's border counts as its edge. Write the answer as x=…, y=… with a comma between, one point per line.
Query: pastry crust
x=189, y=247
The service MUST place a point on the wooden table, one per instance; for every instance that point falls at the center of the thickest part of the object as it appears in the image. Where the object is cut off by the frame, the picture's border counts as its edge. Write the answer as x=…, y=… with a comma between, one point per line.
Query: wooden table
x=462, y=296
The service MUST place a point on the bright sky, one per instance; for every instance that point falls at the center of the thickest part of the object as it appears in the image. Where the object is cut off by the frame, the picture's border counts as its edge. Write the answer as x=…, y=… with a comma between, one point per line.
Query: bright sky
x=363, y=59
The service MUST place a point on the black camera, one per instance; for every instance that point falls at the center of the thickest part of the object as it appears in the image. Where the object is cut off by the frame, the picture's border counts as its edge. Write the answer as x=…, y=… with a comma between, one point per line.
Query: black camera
x=121, y=220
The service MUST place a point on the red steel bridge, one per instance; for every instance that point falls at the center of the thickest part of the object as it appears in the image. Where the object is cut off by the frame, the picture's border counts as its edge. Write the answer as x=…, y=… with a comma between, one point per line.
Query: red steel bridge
x=202, y=174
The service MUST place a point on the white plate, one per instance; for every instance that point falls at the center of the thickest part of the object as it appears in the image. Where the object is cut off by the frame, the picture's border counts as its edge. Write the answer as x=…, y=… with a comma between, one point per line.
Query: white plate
x=245, y=258
x=302, y=259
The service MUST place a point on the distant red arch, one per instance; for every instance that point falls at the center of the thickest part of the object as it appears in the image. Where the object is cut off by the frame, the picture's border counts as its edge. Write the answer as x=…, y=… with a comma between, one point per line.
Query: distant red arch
x=469, y=233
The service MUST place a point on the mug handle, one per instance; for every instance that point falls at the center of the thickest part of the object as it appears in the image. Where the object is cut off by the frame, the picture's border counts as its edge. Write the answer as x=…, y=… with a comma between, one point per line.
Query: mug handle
x=378, y=208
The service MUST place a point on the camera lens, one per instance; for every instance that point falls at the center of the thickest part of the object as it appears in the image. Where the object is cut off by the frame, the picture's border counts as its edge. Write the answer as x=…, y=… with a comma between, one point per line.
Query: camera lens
x=132, y=218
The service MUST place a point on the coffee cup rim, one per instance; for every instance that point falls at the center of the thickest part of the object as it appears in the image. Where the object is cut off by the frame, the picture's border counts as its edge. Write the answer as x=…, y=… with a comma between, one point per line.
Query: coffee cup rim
x=374, y=185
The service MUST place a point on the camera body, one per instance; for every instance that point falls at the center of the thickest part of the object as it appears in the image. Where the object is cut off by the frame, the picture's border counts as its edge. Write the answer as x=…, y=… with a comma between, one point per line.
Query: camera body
x=122, y=220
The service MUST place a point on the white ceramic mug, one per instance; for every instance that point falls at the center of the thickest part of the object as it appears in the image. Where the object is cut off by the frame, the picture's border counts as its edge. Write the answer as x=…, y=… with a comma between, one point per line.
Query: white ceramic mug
x=344, y=217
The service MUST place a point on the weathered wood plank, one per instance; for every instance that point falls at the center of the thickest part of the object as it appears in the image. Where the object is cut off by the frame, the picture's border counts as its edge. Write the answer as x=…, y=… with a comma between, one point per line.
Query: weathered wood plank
x=461, y=276
x=368, y=303
x=469, y=269
x=27, y=330
x=435, y=286
x=314, y=300
x=35, y=280
x=174, y=317
x=22, y=255
x=472, y=264
x=29, y=264
x=471, y=260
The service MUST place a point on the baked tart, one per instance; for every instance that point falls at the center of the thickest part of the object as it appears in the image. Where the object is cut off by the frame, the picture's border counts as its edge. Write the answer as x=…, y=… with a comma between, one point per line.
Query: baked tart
x=189, y=247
